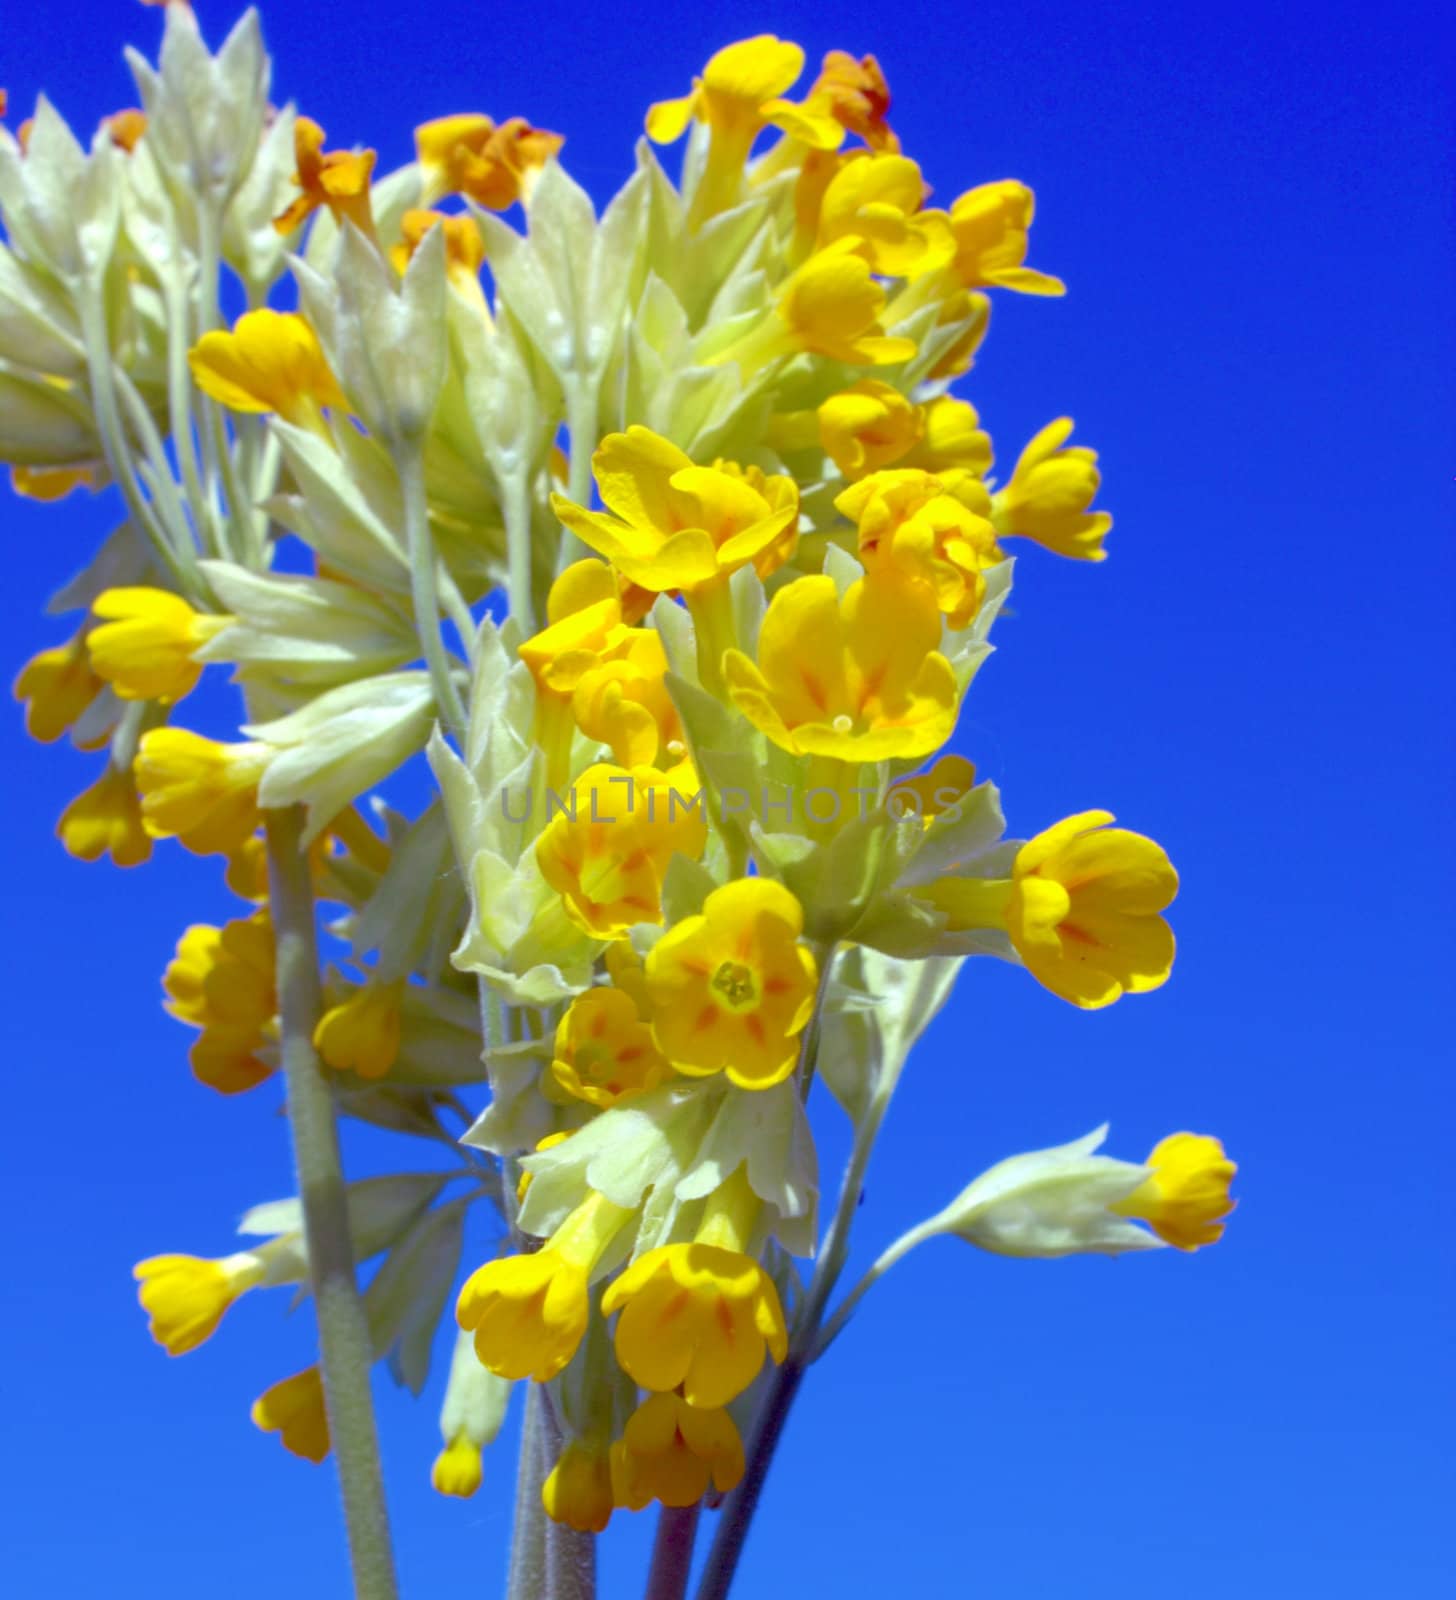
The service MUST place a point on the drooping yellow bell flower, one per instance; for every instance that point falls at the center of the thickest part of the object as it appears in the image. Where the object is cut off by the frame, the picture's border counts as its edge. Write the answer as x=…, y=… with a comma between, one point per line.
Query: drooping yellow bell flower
x=57, y=687
x=604, y=1051
x=361, y=1033
x=1186, y=1198
x=673, y=525
x=990, y=224
x=1082, y=907
x=733, y=987
x=493, y=164
x=185, y=1297
x=458, y=1469
x=869, y=426
x=674, y=1453
x=337, y=179
x=877, y=200
x=268, y=361
x=145, y=643
x=578, y=1490
x=857, y=96
x=740, y=94
x=912, y=526
x=699, y=1318
x=233, y=1060
x=1047, y=499
x=224, y=976
x=293, y=1408
x=859, y=678
x=528, y=1312
x=202, y=793
x=106, y=820
x=607, y=861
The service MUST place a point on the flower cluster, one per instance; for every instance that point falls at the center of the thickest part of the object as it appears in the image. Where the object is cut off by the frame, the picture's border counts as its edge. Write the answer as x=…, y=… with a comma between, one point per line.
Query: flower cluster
x=687, y=688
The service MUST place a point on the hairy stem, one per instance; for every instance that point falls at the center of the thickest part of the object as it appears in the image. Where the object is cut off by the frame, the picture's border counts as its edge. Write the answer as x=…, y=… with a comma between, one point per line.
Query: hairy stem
x=526, y=1575
x=425, y=591
x=672, y=1552
x=345, y=1349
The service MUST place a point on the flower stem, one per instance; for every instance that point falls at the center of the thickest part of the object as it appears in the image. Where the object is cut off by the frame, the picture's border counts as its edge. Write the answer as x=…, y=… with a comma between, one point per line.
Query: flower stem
x=526, y=1575
x=672, y=1553
x=409, y=462
x=345, y=1349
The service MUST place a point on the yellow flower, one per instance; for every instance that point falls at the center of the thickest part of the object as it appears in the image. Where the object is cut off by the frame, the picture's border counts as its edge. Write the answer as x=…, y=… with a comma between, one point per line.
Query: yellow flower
x=699, y=1317
x=876, y=200
x=57, y=686
x=608, y=860
x=464, y=249
x=528, y=1312
x=868, y=426
x=229, y=1059
x=831, y=306
x=203, y=793
x=624, y=703
x=973, y=309
x=493, y=165
x=186, y=1296
x=935, y=792
x=338, y=179
x=990, y=225
x=361, y=1033
x=673, y=1452
x=1082, y=908
x=672, y=525
x=738, y=96
x=1048, y=496
x=578, y=1490
x=911, y=525
x=48, y=484
x=269, y=361
x=126, y=128
x=106, y=819
x=604, y=1050
x=952, y=439
x=458, y=1469
x=294, y=1409
x=856, y=95
x=733, y=987
x=858, y=678
x=1186, y=1198
x=224, y=977
x=145, y=643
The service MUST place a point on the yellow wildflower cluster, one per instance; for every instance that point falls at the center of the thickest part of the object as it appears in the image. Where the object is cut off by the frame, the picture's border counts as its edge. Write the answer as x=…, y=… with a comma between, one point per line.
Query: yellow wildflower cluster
x=674, y=556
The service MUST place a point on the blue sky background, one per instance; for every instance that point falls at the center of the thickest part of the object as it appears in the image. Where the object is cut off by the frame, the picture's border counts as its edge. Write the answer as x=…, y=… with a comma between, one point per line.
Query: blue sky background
x=1252, y=206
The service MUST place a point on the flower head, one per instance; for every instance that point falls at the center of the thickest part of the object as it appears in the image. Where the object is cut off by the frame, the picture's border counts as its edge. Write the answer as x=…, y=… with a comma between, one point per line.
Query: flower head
x=203, y=793
x=672, y=525
x=674, y=1452
x=361, y=1033
x=224, y=976
x=604, y=1050
x=733, y=987
x=293, y=1408
x=494, y=165
x=858, y=678
x=1047, y=499
x=876, y=200
x=578, y=1490
x=106, y=820
x=458, y=1469
x=337, y=179
x=1186, y=1194
x=57, y=687
x=186, y=1296
x=268, y=361
x=145, y=642
x=623, y=701
x=857, y=96
x=832, y=306
x=868, y=426
x=990, y=225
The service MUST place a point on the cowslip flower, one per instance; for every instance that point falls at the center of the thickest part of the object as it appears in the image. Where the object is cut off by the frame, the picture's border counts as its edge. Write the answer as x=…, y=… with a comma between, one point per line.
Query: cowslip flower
x=578, y=1489
x=858, y=678
x=186, y=1297
x=604, y=1051
x=673, y=1452
x=857, y=96
x=337, y=179
x=203, y=793
x=990, y=224
x=869, y=426
x=624, y=703
x=740, y=94
x=106, y=820
x=293, y=1408
x=876, y=200
x=910, y=523
x=493, y=164
x=671, y=524
x=1047, y=498
x=700, y=1317
x=57, y=687
x=268, y=361
x=1082, y=907
x=733, y=987
x=145, y=642
x=361, y=1033
x=224, y=976
x=528, y=1313
x=606, y=856
x=1185, y=1197
x=458, y=1470
x=464, y=252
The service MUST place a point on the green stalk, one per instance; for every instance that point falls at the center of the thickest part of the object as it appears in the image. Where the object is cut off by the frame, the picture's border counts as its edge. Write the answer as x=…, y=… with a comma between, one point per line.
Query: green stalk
x=526, y=1576
x=346, y=1352
x=409, y=460
x=672, y=1552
